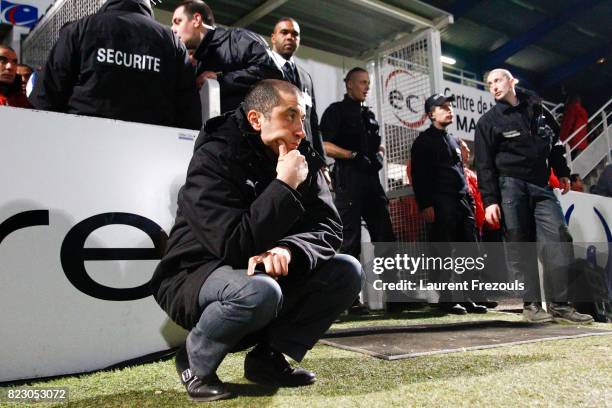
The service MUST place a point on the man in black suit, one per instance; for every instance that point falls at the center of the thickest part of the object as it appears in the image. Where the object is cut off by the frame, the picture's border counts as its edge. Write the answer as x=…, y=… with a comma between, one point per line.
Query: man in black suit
x=285, y=42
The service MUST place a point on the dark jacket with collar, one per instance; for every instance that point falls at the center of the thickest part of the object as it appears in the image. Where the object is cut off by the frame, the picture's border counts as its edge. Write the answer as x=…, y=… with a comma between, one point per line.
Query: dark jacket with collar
x=240, y=58
x=351, y=126
x=120, y=63
x=517, y=141
x=232, y=207
x=436, y=168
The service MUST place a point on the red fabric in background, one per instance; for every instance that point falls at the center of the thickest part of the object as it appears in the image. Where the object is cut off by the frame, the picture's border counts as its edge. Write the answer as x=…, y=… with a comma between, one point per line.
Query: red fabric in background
x=574, y=117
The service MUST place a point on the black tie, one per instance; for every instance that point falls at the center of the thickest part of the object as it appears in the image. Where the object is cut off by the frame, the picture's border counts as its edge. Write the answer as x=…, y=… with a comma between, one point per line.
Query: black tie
x=289, y=73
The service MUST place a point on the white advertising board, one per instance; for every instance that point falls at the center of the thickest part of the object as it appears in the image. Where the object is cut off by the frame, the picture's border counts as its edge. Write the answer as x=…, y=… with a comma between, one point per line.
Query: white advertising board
x=85, y=202
x=589, y=219
x=470, y=104
x=70, y=183
x=404, y=92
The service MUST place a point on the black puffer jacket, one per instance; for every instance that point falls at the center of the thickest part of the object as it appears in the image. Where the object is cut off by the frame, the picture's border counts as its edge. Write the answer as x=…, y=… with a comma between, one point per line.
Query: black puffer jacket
x=120, y=63
x=240, y=58
x=232, y=207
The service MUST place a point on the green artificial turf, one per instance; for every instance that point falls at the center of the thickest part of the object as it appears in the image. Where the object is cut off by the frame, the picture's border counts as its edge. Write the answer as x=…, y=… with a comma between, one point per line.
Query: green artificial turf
x=576, y=372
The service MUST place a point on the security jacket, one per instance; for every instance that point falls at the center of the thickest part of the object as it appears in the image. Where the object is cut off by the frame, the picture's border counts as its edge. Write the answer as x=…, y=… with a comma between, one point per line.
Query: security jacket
x=120, y=63
x=240, y=58
x=517, y=141
x=436, y=167
x=232, y=207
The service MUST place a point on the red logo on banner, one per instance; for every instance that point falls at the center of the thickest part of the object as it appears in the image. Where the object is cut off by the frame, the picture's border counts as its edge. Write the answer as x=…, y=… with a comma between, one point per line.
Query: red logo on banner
x=407, y=109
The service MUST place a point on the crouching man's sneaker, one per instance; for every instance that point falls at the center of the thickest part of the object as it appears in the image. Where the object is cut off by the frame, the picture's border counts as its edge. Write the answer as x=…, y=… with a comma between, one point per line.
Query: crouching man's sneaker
x=533, y=313
x=564, y=313
x=265, y=366
x=209, y=388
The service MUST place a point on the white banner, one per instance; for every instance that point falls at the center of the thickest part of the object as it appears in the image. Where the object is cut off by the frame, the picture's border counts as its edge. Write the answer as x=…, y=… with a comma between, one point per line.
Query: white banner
x=589, y=219
x=86, y=205
x=404, y=93
x=470, y=104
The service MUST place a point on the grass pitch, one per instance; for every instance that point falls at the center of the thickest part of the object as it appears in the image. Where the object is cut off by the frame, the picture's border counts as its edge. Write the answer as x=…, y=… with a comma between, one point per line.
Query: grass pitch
x=575, y=372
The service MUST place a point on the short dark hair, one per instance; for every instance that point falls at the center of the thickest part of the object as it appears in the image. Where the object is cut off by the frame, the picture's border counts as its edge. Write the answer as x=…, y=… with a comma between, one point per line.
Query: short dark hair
x=352, y=72
x=7, y=47
x=283, y=19
x=265, y=95
x=197, y=6
x=574, y=177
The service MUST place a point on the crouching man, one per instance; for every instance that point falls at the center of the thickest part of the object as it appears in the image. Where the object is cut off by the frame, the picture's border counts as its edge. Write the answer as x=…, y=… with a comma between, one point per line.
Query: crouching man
x=252, y=258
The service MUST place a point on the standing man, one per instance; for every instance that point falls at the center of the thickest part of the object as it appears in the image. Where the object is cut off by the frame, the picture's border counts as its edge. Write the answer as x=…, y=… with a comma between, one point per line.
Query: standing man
x=252, y=257
x=285, y=43
x=235, y=57
x=10, y=82
x=442, y=193
x=120, y=63
x=350, y=136
x=516, y=144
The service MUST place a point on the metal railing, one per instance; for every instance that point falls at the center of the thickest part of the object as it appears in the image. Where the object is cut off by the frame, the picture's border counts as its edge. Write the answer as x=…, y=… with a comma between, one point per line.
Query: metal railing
x=598, y=139
x=41, y=39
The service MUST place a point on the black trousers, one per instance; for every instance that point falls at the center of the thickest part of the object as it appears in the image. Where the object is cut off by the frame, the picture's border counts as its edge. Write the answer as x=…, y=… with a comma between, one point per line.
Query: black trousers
x=454, y=222
x=360, y=195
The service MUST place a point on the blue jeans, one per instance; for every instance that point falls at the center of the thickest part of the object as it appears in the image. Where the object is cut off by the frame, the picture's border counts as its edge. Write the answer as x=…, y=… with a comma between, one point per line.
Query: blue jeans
x=532, y=214
x=290, y=314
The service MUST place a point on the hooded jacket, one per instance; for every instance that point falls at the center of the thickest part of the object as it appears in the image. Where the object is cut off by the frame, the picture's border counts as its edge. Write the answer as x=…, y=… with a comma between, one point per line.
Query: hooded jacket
x=232, y=207
x=120, y=63
x=240, y=58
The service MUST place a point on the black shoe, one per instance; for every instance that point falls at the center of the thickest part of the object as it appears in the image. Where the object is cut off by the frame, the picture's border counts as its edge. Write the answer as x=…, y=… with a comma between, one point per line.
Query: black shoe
x=452, y=308
x=265, y=366
x=472, y=307
x=358, y=309
x=209, y=388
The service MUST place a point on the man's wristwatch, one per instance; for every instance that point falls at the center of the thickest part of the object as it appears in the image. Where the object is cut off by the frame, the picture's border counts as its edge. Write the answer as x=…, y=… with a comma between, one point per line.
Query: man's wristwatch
x=353, y=155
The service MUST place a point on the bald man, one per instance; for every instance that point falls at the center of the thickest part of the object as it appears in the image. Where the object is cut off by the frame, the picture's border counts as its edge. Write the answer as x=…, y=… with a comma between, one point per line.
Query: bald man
x=516, y=144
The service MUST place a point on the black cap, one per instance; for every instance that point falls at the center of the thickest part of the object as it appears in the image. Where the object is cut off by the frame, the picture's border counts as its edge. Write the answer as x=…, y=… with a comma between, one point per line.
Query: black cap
x=437, y=100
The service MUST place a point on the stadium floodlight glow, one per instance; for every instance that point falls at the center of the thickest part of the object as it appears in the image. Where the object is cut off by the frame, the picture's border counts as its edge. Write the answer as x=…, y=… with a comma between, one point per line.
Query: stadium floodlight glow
x=448, y=60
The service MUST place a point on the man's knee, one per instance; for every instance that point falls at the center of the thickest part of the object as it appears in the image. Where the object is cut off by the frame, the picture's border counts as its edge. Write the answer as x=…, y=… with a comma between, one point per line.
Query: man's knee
x=262, y=296
x=348, y=271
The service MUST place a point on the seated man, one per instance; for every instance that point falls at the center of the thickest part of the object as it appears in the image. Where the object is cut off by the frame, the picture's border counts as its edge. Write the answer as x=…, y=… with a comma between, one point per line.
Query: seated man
x=252, y=257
